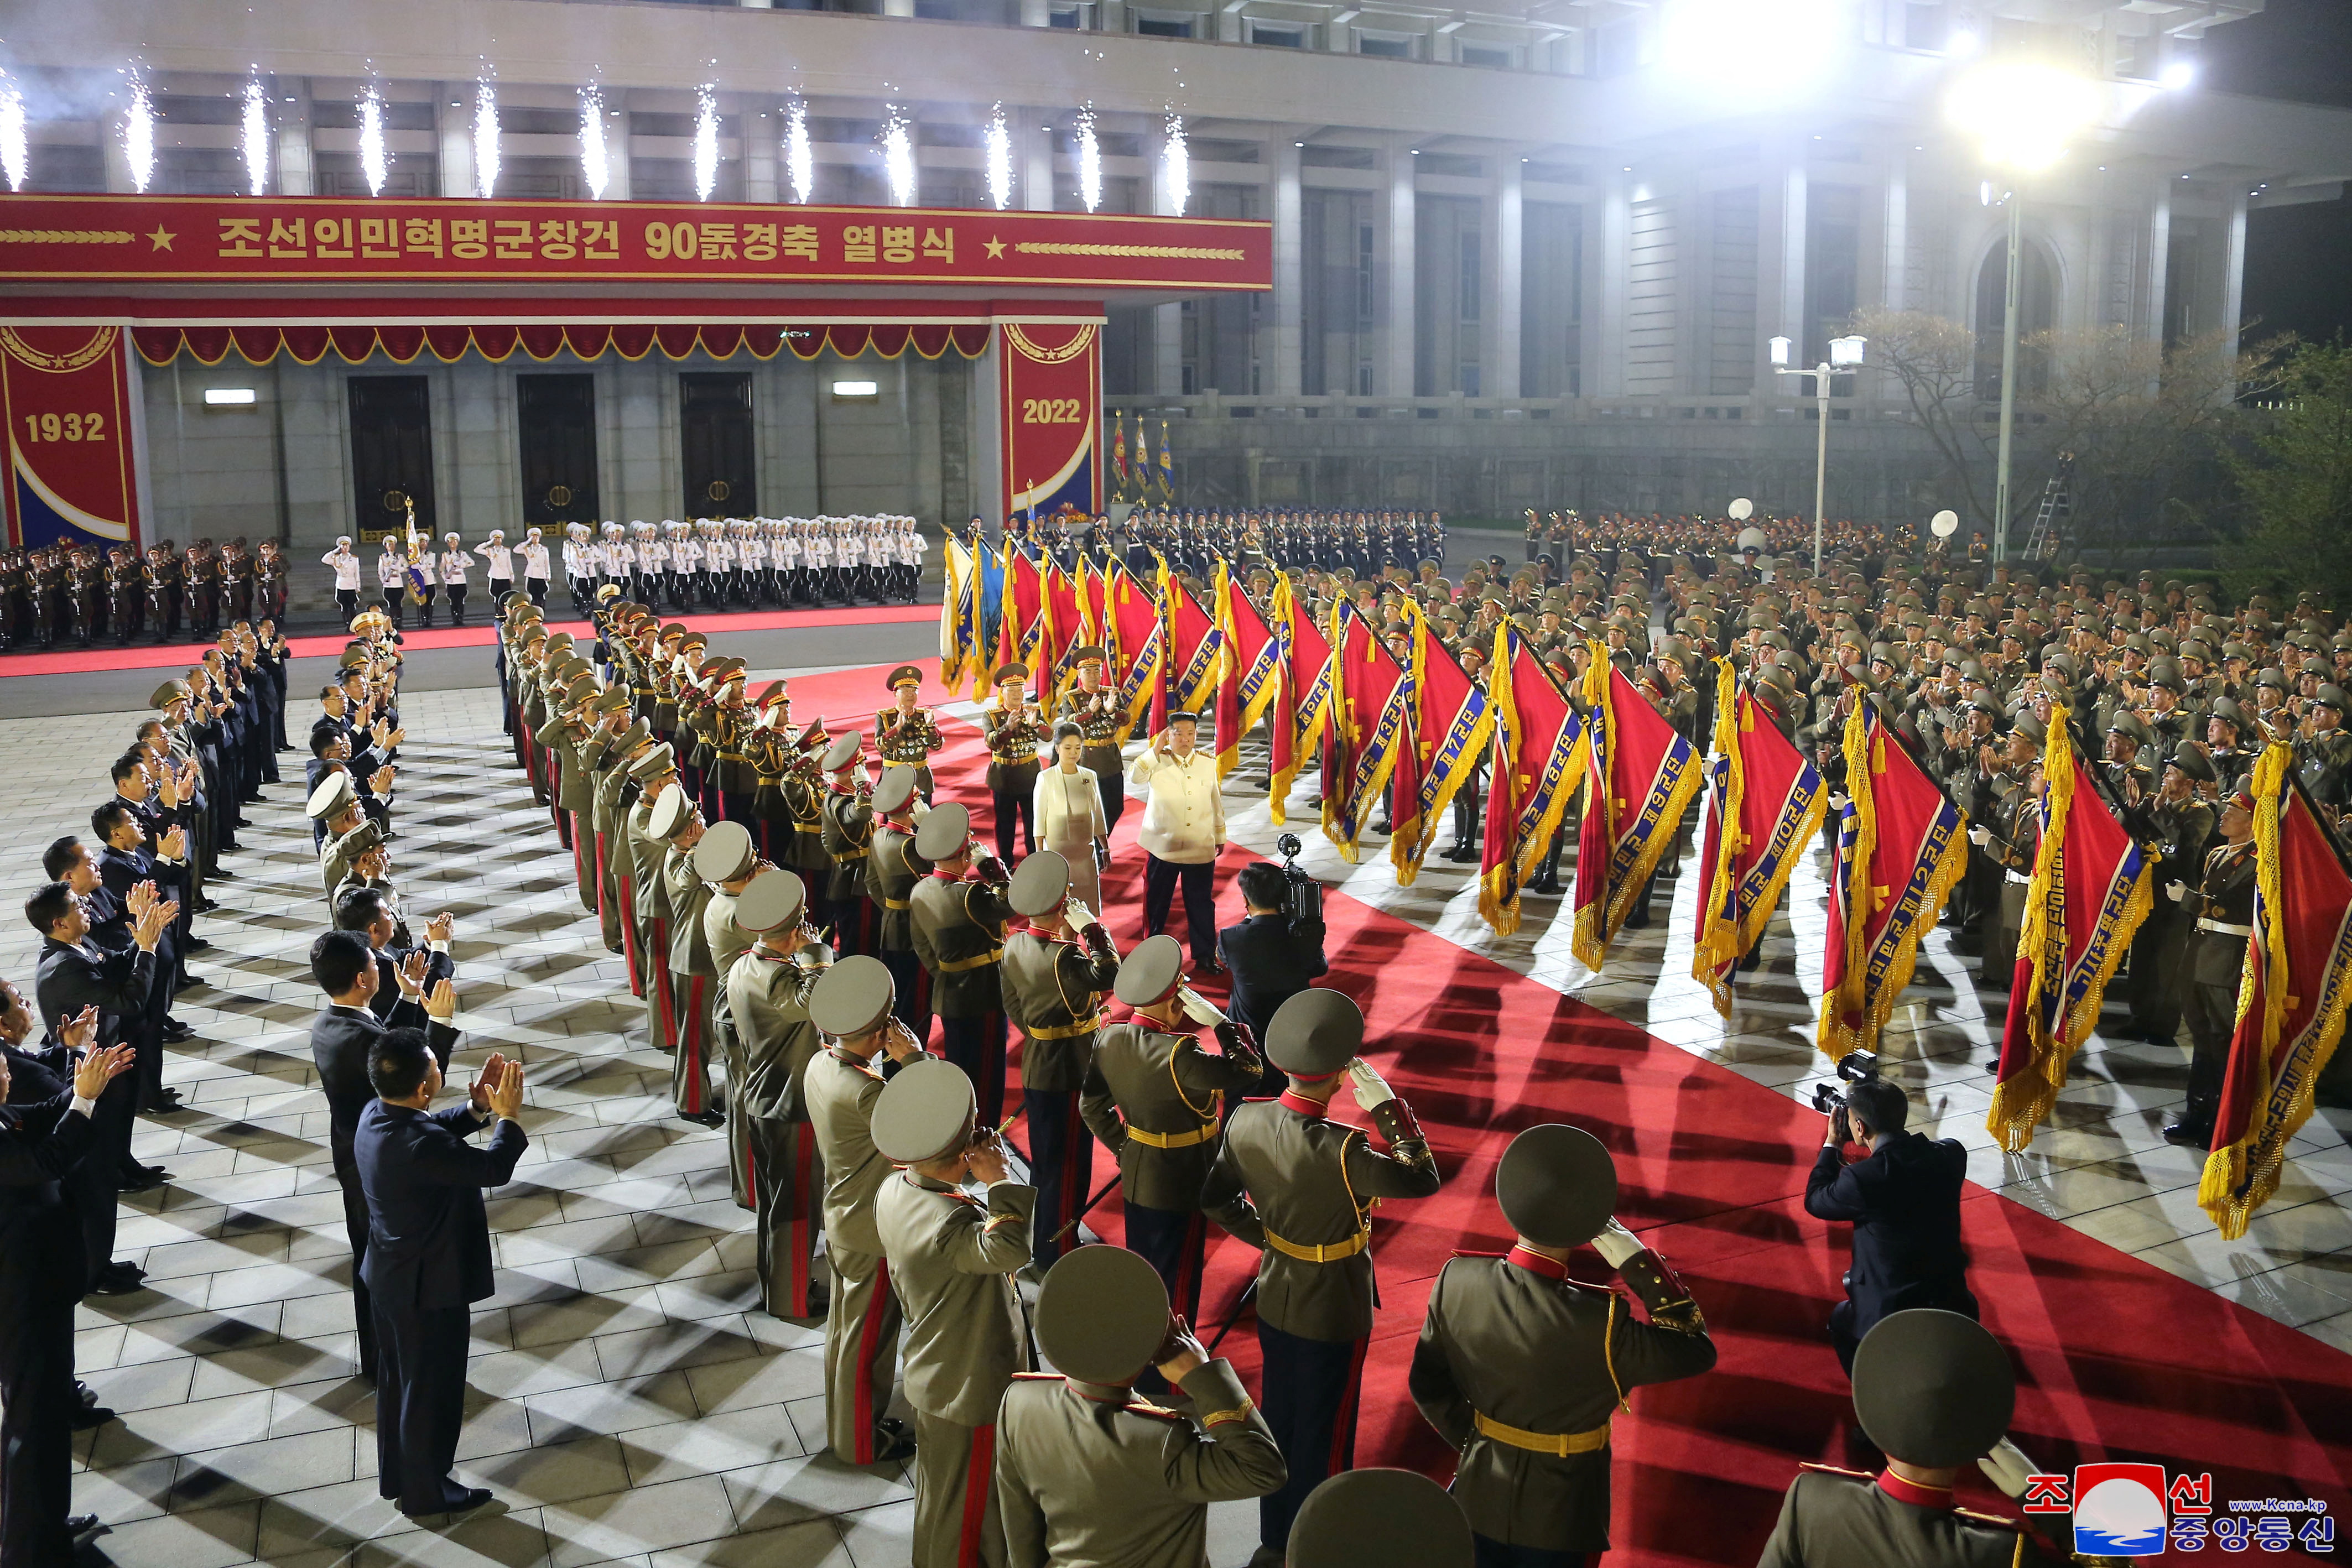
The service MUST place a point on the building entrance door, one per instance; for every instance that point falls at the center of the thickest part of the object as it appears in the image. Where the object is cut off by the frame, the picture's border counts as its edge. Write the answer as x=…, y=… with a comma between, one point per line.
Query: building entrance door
x=715, y=430
x=557, y=414
x=392, y=455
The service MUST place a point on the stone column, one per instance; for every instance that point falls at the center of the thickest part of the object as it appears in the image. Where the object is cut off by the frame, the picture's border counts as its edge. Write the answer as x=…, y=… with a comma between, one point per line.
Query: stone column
x=1501, y=355
x=1397, y=361
x=453, y=113
x=1607, y=246
x=761, y=136
x=1033, y=159
x=297, y=171
x=1286, y=351
x=2234, y=271
x=2159, y=251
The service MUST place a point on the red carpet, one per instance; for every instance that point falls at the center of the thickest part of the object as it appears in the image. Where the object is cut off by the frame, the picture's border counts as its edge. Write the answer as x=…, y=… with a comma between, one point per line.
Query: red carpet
x=179, y=656
x=2117, y=1359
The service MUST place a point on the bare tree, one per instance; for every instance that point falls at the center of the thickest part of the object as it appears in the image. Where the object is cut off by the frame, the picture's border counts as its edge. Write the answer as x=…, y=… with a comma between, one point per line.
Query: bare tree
x=1933, y=358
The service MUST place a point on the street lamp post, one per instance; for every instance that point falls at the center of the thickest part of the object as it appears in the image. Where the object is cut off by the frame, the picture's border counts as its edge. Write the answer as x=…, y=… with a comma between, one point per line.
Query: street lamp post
x=1845, y=354
x=2008, y=379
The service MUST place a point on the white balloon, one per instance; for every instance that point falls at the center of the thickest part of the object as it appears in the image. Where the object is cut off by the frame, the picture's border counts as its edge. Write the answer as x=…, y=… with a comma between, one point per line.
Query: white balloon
x=1741, y=509
x=1945, y=523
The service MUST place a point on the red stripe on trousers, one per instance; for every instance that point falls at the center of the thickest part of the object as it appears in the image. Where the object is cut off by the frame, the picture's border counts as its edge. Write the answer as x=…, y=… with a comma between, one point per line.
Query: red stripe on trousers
x=869, y=1344
x=658, y=977
x=978, y=1482
x=600, y=879
x=796, y=1232
x=629, y=935
x=1188, y=1261
x=692, y=1043
x=1343, y=1425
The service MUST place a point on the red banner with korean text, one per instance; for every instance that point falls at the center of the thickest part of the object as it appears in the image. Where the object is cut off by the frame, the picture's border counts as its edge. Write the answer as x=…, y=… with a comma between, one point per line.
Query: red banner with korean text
x=67, y=396
x=1049, y=388
x=275, y=240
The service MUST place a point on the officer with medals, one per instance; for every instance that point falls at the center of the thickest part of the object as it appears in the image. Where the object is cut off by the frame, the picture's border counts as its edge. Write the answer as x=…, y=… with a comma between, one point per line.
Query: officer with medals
x=766, y=991
x=1092, y=704
x=1310, y=1184
x=959, y=919
x=1521, y=1369
x=893, y=869
x=850, y=1005
x=1089, y=1473
x=676, y=821
x=847, y=830
x=904, y=733
x=1014, y=729
x=1155, y=1098
x=1052, y=980
x=2223, y=905
x=1372, y=1518
x=1934, y=1390
x=952, y=1257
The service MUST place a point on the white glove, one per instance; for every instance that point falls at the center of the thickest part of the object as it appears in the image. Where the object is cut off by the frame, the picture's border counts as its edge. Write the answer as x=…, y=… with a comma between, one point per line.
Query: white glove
x=2008, y=1467
x=1616, y=1243
x=1839, y=802
x=1369, y=1087
x=2176, y=891
x=1980, y=836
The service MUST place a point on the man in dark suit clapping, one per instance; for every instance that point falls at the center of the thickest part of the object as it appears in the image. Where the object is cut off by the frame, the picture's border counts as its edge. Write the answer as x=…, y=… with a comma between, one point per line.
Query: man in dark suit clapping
x=428, y=1256
x=1270, y=957
x=343, y=1039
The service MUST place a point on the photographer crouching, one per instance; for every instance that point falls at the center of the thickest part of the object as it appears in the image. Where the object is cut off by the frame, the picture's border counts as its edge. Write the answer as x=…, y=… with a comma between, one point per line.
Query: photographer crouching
x=1903, y=1200
x=1276, y=951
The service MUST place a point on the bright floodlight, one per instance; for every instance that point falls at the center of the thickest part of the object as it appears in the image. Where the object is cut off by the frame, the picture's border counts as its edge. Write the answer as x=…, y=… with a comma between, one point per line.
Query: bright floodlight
x=2178, y=75
x=1780, y=351
x=2024, y=114
x=228, y=397
x=1844, y=351
x=1750, y=43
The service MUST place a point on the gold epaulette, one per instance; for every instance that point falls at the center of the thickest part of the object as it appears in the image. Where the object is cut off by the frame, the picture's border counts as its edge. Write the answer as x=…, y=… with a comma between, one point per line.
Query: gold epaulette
x=1839, y=1470
x=1039, y=1377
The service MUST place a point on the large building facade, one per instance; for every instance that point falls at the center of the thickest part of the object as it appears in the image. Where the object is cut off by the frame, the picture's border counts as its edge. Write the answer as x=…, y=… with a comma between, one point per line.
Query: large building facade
x=1530, y=257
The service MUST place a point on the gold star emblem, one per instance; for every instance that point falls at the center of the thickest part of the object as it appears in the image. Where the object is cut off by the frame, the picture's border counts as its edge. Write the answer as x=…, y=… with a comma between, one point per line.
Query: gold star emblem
x=995, y=248
x=163, y=237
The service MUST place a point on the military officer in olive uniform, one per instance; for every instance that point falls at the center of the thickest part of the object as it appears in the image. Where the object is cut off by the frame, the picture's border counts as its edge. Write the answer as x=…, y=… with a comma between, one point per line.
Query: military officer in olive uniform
x=653, y=774
x=1309, y=1183
x=2323, y=760
x=893, y=869
x=847, y=830
x=1092, y=704
x=959, y=917
x=2181, y=824
x=676, y=821
x=609, y=814
x=904, y=733
x=850, y=1005
x=1935, y=1391
x=1013, y=729
x=1521, y=1369
x=1371, y=1518
x=1156, y=1100
x=1053, y=980
x=1089, y=1473
x=952, y=1257
x=777, y=1039
x=2223, y=905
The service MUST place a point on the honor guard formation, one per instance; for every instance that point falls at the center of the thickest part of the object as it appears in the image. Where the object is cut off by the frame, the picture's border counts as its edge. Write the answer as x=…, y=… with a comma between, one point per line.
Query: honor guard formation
x=844, y=977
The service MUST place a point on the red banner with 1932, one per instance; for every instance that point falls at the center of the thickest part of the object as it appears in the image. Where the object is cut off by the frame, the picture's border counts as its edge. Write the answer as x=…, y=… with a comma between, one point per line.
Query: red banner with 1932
x=67, y=395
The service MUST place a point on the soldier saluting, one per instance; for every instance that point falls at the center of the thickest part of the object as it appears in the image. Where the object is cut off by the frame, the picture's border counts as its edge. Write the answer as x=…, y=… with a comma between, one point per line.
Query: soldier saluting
x=1310, y=1184
x=1521, y=1369
x=958, y=916
x=1088, y=1472
x=2224, y=905
x=1053, y=988
x=766, y=997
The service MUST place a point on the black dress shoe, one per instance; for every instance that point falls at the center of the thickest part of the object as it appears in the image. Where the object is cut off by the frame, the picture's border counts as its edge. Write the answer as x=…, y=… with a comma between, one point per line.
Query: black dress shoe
x=705, y=1118
x=2188, y=1136
x=206, y=905
x=454, y=1499
x=90, y=1417
x=893, y=1443
x=141, y=1178
x=112, y=1282
x=197, y=944
x=172, y=1034
x=85, y=1395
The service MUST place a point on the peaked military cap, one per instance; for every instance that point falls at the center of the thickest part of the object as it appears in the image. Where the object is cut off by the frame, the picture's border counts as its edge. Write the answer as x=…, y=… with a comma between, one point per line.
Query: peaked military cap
x=1316, y=1033
x=332, y=795
x=1102, y=1315
x=942, y=835
x=724, y=852
x=167, y=694
x=661, y=759
x=1557, y=1185
x=669, y=814
x=1150, y=974
x=1933, y=1389
x=893, y=789
x=1039, y=883
x=852, y=997
x=925, y=1111
x=774, y=900
x=843, y=752
x=1359, y=1519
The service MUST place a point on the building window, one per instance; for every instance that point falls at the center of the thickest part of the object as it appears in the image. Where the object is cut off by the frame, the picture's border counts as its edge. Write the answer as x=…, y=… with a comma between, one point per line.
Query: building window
x=1364, y=381
x=1070, y=17
x=1279, y=37
x=1363, y=272
x=1387, y=45
x=1492, y=58
x=1470, y=260
x=1164, y=26
x=2136, y=59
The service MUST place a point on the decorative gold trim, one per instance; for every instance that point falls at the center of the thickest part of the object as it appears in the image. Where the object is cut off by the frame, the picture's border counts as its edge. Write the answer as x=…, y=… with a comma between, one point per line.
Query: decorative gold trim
x=66, y=236
x=1063, y=355
x=102, y=343
x=1144, y=252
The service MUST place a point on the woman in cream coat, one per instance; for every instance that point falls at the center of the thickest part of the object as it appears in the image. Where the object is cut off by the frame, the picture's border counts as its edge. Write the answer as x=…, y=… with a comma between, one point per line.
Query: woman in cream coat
x=1069, y=811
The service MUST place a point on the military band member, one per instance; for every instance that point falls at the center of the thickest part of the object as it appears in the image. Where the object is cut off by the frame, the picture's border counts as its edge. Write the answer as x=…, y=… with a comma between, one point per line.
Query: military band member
x=1521, y=1369
x=2223, y=905
x=1089, y=1473
x=1014, y=730
x=952, y=1257
x=766, y=1099
x=894, y=867
x=726, y=860
x=1361, y=1517
x=1934, y=1390
x=850, y=1005
x=616, y=889
x=1052, y=979
x=959, y=917
x=1092, y=704
x=1156, y=1100
x=905, y=733
x=2181, y=824
x=1310, y=1183
x=676, y=821
x=652, y=774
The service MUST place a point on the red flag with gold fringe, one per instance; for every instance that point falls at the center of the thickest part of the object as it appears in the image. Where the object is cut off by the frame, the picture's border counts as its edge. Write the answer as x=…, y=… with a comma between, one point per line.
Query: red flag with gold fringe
x=1767, y=804
x=1304, y=701
x=1367, y=735
x=2291, y=1001
x=1642, y=777
x=1538, y=760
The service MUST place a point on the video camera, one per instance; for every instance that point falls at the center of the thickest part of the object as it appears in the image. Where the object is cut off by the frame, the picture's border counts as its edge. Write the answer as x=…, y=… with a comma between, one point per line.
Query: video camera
x=1303, y=898
x=1854, y=1067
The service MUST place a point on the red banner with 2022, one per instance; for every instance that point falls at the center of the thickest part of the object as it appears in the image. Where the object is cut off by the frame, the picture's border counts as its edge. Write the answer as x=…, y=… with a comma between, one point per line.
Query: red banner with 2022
x=278, y=240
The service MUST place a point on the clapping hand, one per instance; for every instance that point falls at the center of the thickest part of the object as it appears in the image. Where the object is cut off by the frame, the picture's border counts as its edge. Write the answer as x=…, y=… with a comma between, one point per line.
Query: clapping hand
x=140, y=899
x=437, y=929
x=99, y=1068
x=441, y=1006
x=151, y=924
x=410, y=973
x=380, y=782
x=493, y=1069
x=81, y=1029
x=174, y=844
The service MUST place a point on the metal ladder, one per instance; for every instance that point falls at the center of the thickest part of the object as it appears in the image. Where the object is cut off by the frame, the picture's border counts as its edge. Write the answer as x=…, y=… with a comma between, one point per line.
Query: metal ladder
x=2057, y=507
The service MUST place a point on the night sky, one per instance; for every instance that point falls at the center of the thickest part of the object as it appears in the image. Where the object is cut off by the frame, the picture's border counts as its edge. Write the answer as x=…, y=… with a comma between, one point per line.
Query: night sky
x=2298, y=259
